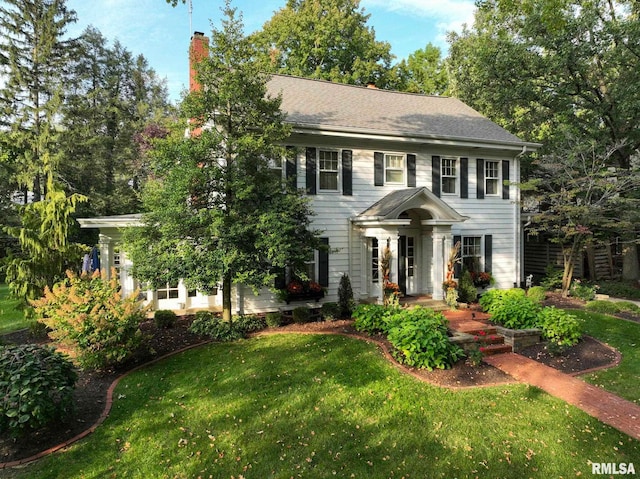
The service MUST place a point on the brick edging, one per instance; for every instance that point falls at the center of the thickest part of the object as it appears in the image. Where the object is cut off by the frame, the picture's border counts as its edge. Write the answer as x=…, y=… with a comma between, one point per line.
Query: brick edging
x=385, y=351
x=103, y=416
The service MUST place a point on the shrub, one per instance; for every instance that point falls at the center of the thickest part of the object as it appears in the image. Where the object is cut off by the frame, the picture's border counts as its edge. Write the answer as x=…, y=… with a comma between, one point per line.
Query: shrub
x=559, y=327
x=583, y=291
x=603, y=307
x=620, y=289
x=331, y=311
x=36, y=387
x=212, y=326
x=515, y=310
x=467, y=292
x=165, y=318
x=346, y=304
x=552, y=279
x=420, y=339
x=90, y=316
x=250, y=323
x=273, y=319
x=374, y=318
x=301, y=314
x=537, y=294
x=492, y=298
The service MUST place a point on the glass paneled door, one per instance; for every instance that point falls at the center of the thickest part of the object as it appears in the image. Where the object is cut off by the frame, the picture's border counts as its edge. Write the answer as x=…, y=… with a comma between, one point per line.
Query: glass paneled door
x=406, y=264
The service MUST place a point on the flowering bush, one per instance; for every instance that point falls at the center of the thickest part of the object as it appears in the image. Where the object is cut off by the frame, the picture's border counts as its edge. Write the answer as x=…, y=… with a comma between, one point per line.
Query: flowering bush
x=481, y=279
x=314, y=287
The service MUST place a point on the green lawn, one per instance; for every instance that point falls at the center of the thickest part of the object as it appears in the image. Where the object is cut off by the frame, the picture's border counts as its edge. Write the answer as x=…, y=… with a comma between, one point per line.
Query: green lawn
x=625, y=337
x=327, y=406
x=11, y=319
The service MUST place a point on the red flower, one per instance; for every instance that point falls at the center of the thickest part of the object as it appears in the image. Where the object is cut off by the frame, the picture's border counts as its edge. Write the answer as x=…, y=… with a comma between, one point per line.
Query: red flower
x=315, y=287
x=295, y=287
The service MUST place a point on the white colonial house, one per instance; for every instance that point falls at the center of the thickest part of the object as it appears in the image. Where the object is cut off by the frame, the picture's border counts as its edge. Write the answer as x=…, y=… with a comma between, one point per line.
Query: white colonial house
x=413, y=172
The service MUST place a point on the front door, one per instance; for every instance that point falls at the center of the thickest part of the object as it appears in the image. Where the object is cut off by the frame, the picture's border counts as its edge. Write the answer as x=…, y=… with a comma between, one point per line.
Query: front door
x=406, y=264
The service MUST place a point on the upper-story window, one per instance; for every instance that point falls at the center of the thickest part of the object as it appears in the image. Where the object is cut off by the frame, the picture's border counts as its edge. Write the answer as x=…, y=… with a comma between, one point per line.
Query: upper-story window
x=328, y=170
x=449, y=175
x=394, y=168
x=491, y=177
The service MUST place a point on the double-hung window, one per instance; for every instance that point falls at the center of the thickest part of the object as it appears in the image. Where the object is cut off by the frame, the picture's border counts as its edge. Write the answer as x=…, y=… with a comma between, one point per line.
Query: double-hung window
x=328, y=170
x=471, y=253
x=275, y=166
x=449, y=175
x=491, y=177
x=394, y=168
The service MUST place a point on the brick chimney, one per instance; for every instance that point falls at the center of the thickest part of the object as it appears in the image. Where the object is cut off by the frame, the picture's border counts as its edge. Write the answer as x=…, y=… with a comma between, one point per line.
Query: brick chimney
x=198, y=50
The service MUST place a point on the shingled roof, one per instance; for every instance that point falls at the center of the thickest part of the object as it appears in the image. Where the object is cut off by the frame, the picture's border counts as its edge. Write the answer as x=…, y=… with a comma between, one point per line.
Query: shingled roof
x=324, y=105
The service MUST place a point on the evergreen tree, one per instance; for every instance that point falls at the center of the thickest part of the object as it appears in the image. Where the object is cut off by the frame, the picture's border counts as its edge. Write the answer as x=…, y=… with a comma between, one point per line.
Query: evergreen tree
x=35, y=56
x=216, y=213
x=45, y=249
x=110, y=96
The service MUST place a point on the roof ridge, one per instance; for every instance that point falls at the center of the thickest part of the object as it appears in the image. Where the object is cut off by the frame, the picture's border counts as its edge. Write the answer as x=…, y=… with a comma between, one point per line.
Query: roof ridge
x=361, y=87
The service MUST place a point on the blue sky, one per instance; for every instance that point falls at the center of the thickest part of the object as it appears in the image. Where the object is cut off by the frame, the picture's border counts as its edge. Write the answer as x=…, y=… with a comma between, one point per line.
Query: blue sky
x=161, y=33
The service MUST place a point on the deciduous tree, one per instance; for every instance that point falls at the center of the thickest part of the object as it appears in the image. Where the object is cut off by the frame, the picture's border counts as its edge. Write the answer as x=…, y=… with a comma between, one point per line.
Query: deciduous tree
x=549, y=70
x=327, y=39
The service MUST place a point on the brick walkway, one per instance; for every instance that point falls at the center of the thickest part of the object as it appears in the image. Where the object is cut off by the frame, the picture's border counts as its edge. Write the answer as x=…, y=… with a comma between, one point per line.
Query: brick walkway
x=608, y=408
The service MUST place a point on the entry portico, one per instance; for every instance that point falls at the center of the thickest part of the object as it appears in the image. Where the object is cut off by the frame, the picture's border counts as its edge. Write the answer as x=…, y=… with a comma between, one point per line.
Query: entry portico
x=416, y=226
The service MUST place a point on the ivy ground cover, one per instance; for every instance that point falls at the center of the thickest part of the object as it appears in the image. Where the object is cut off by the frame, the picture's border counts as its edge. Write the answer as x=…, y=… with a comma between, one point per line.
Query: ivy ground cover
x=319, y=406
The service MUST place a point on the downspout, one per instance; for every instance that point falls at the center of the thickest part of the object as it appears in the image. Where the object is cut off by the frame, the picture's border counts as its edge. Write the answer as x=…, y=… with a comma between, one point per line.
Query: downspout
x=519, y=246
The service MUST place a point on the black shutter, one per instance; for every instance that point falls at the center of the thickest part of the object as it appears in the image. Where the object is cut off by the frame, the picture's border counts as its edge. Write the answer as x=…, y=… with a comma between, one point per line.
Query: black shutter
x=480, y=178
x=488, y=251
x=292, y=164
x=280, y=281
x=505, y=179
x=464, y=177
x=347, y=172
x=311, y=171
x=378, y=165
x=323, y=263
x=411, y=170
x=435, y=175
x=457, y=268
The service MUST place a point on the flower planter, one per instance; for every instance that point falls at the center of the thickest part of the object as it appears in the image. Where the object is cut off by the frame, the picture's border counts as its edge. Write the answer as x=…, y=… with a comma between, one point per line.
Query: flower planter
x=304, y=296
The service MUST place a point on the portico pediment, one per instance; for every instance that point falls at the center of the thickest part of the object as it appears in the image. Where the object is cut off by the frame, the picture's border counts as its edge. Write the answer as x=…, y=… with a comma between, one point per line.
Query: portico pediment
x=389, y=209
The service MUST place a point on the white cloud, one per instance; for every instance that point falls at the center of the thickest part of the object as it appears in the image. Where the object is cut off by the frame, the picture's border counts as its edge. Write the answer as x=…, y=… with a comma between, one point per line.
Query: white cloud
x=447, y=14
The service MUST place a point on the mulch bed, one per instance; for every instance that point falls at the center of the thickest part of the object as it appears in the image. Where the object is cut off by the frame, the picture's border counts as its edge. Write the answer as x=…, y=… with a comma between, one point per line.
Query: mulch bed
x=90, y=393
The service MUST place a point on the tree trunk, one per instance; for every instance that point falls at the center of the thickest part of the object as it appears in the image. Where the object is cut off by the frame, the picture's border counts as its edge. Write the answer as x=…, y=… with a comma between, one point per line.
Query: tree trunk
x=569, y=256
x=630, y=267
x=226, y=298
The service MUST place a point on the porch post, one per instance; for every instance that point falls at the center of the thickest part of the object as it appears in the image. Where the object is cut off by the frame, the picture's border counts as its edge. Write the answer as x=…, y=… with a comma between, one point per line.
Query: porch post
x=105, y=245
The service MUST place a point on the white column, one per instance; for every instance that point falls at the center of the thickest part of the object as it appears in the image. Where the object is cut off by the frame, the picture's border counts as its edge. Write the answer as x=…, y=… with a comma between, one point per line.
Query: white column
x=105, y=245
x=441, y=249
